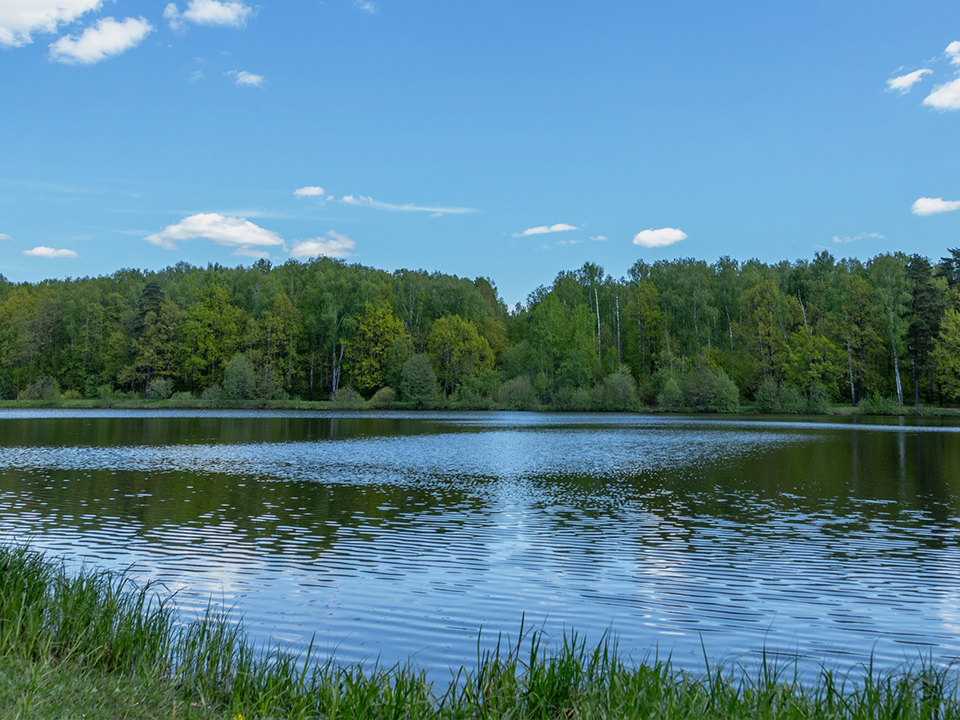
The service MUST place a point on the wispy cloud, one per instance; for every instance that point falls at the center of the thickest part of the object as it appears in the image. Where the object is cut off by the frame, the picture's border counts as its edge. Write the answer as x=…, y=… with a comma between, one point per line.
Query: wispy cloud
x=333, y=245
x=309, y=191
x=54, y=187
x=235, y=232
x=366, y=6
x=659, y=238
x=171, y=13
x=934, y=206
x=843, y=239
x=4, y=236
x=208, y=12
x=41, y=251
x=945, y=96
x=102, y=40
x=904, y=83
x=545, y=229
x=596, y=238
x=242, y=78
x=251, y=253
x=196, y=76
x=261, y=213
x=436, y=211
x=20, y=20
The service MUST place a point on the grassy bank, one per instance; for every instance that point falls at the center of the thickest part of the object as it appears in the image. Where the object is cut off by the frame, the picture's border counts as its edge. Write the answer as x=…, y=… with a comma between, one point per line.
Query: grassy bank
x=94, y=645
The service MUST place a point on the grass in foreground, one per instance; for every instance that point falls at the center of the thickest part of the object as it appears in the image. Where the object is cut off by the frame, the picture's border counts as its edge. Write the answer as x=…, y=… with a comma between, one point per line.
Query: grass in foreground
x=94, y=645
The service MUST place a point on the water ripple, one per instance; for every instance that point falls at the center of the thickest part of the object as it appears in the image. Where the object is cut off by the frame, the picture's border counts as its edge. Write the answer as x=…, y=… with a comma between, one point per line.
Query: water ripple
x=815, y=540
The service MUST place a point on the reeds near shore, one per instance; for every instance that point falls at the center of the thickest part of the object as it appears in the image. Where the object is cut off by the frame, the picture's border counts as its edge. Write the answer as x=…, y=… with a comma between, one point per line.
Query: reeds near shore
x=94, y=644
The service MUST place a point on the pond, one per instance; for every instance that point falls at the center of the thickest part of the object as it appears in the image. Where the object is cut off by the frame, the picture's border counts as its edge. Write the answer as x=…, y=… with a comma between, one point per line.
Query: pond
x=394, y=536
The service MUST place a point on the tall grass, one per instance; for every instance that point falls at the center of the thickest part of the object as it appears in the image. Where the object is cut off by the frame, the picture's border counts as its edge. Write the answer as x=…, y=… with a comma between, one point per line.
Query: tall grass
x=208, y=668
x=95, y=617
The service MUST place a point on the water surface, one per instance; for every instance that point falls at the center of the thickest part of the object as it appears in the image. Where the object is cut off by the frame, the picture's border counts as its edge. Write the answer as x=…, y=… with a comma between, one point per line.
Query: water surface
x=396, y=535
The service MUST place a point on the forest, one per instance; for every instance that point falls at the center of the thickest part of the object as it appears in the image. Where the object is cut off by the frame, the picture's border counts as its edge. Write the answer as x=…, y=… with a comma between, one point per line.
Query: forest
x=679, y=335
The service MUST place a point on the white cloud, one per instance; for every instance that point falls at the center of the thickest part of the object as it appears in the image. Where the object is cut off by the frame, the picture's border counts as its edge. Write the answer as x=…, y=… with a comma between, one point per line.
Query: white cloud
x=945, y=96
x=904, y=83
x=21, y=19
x=544, y=229
x=308, y=191
x=333, y=244
x=659, y=238
x=4, y=236
x=196, y=76
x=365, y=201
x=242, y=78
x=842, y=239
x=47, y=252
x=104, y=39
x=570, y=242
x=236, y=232
x=366, y=5
x=208, y=12
x=933, y=206
x=599, y=238
x=953, y=52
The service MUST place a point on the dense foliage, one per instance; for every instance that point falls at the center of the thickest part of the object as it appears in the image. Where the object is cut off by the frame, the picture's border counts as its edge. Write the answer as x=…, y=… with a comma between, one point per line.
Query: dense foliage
x=681, y=335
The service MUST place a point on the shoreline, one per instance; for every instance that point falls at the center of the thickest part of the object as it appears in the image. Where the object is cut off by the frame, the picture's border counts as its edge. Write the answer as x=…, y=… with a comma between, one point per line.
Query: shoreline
x=328, y=405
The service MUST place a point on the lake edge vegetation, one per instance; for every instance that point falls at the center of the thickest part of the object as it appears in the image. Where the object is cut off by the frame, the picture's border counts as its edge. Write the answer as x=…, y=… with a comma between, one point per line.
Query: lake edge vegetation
x=94, y=644
x=880, y=337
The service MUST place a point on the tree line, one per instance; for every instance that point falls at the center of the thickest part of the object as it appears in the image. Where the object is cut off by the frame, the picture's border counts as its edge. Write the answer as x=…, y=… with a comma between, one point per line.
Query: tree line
x=680, y=334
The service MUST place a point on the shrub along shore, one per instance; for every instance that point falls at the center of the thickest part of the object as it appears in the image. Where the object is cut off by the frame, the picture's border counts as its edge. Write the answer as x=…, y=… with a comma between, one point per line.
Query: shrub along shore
x=93, y=644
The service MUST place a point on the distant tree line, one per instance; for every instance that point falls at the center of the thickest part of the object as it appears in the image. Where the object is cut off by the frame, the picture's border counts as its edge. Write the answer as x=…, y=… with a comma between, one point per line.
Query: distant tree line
x=680, y=335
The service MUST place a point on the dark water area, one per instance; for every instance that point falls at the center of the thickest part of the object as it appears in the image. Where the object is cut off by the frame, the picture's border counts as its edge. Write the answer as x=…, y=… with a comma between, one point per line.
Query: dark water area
x=395, y=535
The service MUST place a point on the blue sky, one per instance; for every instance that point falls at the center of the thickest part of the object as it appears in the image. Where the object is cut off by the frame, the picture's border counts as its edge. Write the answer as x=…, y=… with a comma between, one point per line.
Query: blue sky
x=503, y=139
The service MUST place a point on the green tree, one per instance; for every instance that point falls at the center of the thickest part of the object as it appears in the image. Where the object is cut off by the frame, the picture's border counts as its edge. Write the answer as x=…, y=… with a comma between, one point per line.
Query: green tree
x=888, y=274
x=725, y=396
x=946, y=351
x=458, y=350
x=212, y=334
x=239, y=380
x=688, y=290
x=645, y=327
x=19, y=347
x=156, y=348
x=765, y=336
x=855, y=324
x=418, y=382
x=927, y=304
x=578, y=357
x=670, y=398
x=277, y=340
x=548, y=320
x=334, y=294
x=618, y=391
x=949, y=268
x=368, y=352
